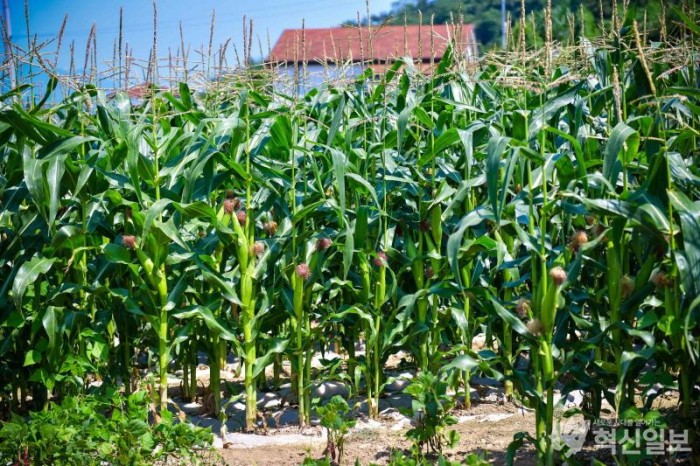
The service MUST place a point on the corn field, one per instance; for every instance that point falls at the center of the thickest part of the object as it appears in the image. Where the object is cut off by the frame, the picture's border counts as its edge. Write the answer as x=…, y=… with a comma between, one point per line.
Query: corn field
x=549, y=199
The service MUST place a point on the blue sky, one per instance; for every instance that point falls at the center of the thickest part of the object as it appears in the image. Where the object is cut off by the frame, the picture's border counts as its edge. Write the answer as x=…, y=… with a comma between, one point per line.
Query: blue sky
x=273, y=16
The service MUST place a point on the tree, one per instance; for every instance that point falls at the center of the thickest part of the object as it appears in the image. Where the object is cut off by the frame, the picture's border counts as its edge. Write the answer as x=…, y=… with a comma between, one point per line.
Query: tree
x=486, y=15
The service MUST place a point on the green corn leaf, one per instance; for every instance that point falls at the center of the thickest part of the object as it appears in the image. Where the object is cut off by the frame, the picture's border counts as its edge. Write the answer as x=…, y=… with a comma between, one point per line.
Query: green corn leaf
x=171, y=231
x=339, y=162
x=49, y=321
x=281, y=132
x=226, y=288
x=454, y=242
x=15, y=92
x=28, y=273
x=205, y=314
x=511, y=319
x=689, y=213
x=35, y=129
x=365, y=184
x=402, y=126
x=496, y=148
x=54, y=174
x=50, y=87
x=117, y=254
x=628, y=357
x=32, y=357
x=622, y=145
x=336, y=122
x=348, y=250
x=132, y=164
x=361, y=228
x=278, y=346
x=463, y=362
x=34, y=179
x=153, y=213
x=578, y=153
x=542, y=115
x=445, y=140
x=689, y=22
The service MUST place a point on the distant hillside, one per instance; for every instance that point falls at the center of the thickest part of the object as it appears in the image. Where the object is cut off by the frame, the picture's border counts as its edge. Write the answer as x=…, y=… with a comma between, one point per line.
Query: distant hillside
x=486, y=15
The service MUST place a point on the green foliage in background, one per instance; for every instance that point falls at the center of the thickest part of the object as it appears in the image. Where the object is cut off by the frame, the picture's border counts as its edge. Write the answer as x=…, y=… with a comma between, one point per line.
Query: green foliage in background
x=583, y=16
x=101, y=429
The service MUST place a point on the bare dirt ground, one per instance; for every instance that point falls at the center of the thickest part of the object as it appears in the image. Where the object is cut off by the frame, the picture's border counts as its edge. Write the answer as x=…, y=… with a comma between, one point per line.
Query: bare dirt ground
x=486, y=428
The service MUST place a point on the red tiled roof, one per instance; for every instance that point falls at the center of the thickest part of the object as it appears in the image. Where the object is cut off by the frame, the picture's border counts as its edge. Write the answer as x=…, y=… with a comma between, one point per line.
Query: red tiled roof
x=143, y=90
x=342, y=44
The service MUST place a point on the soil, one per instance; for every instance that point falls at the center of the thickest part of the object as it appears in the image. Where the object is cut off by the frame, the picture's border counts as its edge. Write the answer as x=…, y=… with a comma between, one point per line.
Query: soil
x=486, y=428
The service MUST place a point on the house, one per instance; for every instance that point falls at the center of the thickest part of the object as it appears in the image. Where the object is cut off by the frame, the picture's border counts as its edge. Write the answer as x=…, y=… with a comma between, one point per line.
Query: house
x=345, y=52
x=139, y=93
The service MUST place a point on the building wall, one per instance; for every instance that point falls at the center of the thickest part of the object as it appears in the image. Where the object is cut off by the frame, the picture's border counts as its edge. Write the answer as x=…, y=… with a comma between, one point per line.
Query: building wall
x=315, y=75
